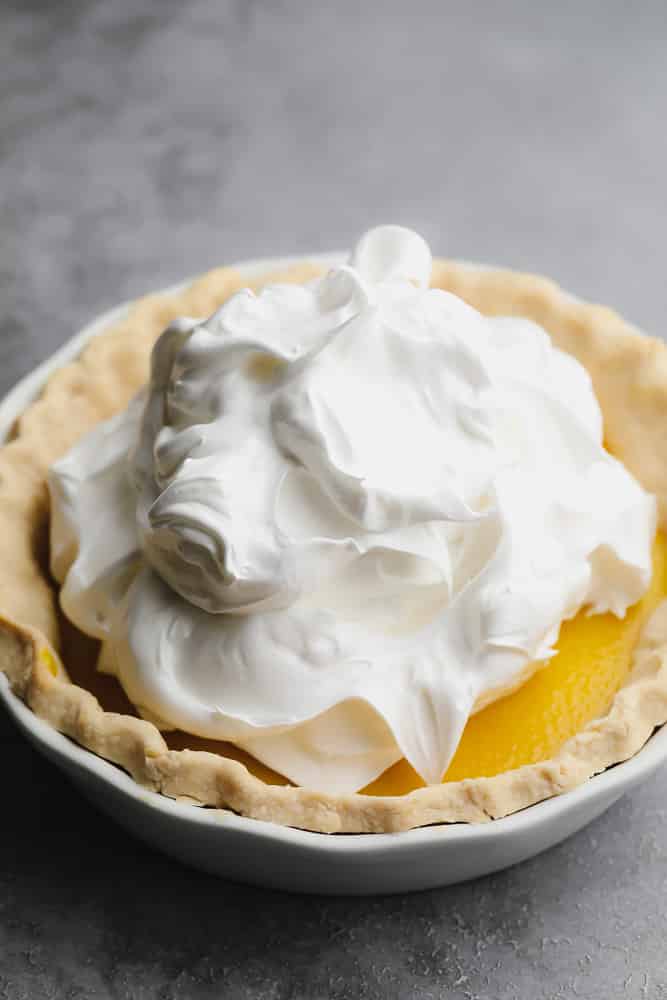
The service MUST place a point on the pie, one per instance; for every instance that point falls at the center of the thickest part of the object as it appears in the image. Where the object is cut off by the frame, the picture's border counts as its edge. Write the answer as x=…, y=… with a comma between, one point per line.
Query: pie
x=601, y=697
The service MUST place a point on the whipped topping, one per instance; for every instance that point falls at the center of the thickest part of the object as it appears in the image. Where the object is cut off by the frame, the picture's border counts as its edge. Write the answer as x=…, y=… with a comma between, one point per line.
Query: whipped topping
x=342, y=516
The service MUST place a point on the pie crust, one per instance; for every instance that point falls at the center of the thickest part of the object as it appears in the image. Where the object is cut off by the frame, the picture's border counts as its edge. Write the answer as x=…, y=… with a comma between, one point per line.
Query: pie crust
x=629, y=372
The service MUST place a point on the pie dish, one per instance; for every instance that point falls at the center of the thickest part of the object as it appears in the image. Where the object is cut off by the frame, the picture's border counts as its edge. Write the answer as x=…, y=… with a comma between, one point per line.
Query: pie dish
x=39, y=650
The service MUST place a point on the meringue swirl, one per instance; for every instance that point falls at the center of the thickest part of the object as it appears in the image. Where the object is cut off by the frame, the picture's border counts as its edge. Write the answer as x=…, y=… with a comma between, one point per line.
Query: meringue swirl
x=342, y=516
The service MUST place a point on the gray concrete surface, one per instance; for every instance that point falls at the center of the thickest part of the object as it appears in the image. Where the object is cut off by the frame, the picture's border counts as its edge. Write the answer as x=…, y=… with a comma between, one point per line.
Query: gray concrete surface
x=142, y=141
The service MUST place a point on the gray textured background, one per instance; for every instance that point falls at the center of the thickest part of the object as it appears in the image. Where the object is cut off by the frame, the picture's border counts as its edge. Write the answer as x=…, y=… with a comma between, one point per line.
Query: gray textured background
x=144, y=141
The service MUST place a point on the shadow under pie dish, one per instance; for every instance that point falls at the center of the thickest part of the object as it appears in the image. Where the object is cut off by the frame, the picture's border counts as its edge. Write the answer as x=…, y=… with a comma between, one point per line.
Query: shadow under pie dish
x=591, y=705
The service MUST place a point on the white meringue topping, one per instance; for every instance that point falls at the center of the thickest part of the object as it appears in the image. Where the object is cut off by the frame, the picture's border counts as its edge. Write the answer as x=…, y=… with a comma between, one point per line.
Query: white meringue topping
x=341, y=515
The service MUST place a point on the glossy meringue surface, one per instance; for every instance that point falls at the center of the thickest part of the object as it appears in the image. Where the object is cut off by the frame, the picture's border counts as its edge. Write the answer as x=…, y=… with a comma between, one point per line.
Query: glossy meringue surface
x=343, y=516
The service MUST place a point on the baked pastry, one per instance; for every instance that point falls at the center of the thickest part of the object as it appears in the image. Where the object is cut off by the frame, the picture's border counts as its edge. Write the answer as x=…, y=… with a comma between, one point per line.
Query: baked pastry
x=316, y=566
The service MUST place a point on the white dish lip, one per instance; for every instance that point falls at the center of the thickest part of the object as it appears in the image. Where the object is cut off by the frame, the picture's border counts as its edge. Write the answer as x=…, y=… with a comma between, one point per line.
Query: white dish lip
x=608, y=785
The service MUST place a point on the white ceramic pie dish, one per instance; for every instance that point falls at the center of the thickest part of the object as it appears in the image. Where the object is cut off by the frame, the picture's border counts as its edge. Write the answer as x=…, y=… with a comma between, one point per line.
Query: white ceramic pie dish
x=265, y=854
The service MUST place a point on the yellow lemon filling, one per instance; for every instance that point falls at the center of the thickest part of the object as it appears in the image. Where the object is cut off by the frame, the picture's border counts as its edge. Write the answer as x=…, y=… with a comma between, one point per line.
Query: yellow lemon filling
x=49, y=661
x=577, y=685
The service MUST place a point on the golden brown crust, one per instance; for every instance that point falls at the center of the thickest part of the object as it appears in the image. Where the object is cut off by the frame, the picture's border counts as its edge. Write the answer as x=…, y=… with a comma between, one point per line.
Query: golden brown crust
x=629, y=372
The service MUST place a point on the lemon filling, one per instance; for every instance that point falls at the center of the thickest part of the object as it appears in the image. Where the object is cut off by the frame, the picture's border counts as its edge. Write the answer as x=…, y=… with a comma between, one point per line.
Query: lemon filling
x=577, y=685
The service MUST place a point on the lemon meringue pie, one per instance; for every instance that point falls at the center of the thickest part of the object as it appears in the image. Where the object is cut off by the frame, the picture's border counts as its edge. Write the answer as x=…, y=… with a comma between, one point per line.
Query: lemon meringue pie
x=356, y=549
